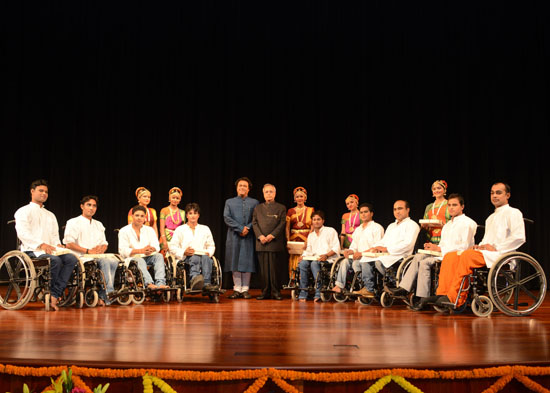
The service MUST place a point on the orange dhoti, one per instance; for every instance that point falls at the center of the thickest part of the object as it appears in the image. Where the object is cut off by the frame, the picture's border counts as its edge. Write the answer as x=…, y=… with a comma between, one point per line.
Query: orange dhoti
x=453, y=268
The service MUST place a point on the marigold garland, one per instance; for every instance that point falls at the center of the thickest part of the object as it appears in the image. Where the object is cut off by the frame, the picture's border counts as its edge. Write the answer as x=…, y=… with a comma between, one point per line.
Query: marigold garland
x=260, y=376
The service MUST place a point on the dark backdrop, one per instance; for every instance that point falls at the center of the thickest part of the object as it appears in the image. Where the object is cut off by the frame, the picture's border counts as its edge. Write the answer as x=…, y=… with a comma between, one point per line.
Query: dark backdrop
x=377, y=98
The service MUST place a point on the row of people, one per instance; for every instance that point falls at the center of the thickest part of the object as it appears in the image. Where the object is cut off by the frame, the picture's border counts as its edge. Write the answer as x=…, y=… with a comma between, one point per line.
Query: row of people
x=268, y=221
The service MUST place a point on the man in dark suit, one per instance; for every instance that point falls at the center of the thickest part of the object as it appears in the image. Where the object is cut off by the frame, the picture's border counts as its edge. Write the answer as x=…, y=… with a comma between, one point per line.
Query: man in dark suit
x=268, y=222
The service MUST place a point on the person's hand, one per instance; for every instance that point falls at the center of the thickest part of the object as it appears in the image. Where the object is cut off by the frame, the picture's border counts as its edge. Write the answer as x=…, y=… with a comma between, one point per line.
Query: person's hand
x=357, y=255
x=47, y=248
x=245, y=231
x=189, y=251
x=262, y=239
x=148, y=250
x=269, y=238
x=323, y=257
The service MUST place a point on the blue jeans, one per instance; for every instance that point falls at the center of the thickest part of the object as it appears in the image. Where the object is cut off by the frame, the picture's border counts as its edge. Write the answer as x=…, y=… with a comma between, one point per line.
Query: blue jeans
x=61, y=268
x=198, y=264
x=304, y=266
x=108, y=266
x=342, y=276
x=367, y=273
x=157, y=261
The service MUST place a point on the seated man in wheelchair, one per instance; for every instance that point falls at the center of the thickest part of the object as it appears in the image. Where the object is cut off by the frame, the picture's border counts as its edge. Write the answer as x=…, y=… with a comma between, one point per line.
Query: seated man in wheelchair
x=323, y=245
x=193, y=243
x=38, y=231
x=504, y=232
x=84, y=235
x=456, y=235
x=364, y=238
x=140, y=242
x=397, y=243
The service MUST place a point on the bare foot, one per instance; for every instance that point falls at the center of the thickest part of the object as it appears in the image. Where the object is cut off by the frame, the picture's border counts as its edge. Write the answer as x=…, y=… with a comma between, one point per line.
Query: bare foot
x=101, y=303
x=336, y=289
x=53, y=303
x=301, y=300
x=317, y=299
x=152, y=286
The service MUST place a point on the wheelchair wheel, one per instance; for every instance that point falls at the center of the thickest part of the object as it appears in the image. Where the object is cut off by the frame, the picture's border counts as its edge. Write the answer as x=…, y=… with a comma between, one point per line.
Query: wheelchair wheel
x=91, y=297
x=386, y=300
x=339, y=297
x=294, y=293
x=325, y=297
x=517, y=284
x=482, y=306
x=217, y=274
x=402, y=269
x=17, y=282
x=365, y=301
x=125, y=300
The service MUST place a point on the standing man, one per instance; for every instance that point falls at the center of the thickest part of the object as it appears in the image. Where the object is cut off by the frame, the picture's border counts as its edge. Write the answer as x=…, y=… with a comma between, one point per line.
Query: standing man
x=504, y=232
x=364, y=237
x=269, y=220
x=456, y=235
x=84, y=235
x=140, y=242
x=239, y=244
x=38, y=231
x=397, y=243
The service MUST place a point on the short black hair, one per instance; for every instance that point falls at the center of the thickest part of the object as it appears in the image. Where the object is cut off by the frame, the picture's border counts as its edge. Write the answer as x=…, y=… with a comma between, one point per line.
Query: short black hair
x=39, y=182
x=506, y=186
x=88, y=197
x=246, y=179
x=319, y=213
x=139, y=208
x=192, y=206
x=457, y=196
x=368, y=205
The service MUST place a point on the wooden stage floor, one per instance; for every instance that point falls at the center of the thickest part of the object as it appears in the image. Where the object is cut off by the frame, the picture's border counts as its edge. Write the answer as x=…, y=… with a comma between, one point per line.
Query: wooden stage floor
x=236, y=334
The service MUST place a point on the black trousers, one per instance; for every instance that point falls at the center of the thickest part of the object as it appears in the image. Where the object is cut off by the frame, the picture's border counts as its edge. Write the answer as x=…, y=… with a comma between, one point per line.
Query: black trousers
x=268, y=273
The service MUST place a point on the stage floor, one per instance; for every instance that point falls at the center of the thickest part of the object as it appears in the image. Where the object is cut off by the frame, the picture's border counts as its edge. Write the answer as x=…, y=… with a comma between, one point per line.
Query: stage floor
x=237, y=334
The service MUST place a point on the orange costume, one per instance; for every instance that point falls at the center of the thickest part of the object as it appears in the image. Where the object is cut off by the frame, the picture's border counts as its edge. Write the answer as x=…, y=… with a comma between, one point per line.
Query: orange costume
x=150, y=217
x=300, y=227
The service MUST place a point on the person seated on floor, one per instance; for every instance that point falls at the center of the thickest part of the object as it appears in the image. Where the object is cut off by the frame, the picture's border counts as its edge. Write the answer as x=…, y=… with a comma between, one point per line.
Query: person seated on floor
x=323, y=245
x=397, y=243
x=84, y=235
x=456, y=235
x=194, y=244
x=140, y=242
x=363, y=238
x=504, y=232
x=38, y=232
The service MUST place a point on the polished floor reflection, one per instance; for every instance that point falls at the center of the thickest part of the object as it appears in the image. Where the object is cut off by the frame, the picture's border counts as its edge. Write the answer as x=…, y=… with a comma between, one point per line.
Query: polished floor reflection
x=242, y=333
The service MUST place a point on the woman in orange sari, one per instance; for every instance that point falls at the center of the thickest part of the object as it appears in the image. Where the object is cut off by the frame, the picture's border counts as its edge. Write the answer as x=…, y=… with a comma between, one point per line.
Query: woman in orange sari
x=298, y=225
x=350, y=221
x=143, y=196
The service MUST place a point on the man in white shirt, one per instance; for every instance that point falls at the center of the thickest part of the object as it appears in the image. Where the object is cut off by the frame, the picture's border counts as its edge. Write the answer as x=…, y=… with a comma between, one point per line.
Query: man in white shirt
x=397, y=243
x=194, y=244
x=323, y=245
x=457, y=235
x=504, y=232
x=84, y=235
x=364, y=237
x=38, y=231
x=139, y=242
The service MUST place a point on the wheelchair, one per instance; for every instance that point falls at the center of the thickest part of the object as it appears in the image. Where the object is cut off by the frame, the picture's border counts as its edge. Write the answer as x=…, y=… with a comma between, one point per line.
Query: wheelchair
x=24, y=279
x=411, y=299
x=515, y=285
x=353, y=281
x=128, y=284
x=323, y=277
x=381, y=281
x=181, y=281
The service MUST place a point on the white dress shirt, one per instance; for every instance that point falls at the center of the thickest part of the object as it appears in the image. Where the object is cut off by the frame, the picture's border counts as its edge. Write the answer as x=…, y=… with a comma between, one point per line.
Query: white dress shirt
x=128, y=239
x=36, y=225
x=399, y=239
x=200, y=240
x=365, y=238
x=84, y=233
x=458, y=234
x=505, y=230
x=322, y=243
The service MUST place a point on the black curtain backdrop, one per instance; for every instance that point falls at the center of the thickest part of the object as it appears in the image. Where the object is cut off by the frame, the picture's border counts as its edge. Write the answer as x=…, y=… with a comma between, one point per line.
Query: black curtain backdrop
x=376, y=98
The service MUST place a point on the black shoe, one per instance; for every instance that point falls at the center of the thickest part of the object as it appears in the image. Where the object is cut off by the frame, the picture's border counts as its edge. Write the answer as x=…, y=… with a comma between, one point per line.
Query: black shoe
x=420, y=305
x=246, y=295
x=197, y=282
x=209, y=288
x=277, y=297
x=235, y=295
x=398, y=291
x=262, y=297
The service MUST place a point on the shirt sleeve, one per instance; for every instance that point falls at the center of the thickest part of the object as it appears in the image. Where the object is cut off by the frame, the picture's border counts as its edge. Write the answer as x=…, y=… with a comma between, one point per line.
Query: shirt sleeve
x=124, y=244
x=24, y=231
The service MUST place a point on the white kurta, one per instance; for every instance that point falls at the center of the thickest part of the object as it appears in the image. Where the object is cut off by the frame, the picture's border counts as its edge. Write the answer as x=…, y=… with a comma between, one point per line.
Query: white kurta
x=365, y=238
x=84, y=233
x=504, y=230
x=399, y=239
x=200, y=240
x=36, y=225
x=128, y=239
x=326, y=241
x=458, y=234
